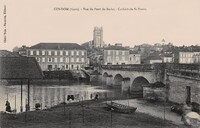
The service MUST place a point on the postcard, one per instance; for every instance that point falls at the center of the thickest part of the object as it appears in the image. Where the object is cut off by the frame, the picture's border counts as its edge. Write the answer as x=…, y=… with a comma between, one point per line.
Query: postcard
x=91, y=63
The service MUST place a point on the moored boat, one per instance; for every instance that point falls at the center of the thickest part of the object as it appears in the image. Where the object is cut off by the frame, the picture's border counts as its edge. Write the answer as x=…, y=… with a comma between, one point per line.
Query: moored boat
x=120, y=107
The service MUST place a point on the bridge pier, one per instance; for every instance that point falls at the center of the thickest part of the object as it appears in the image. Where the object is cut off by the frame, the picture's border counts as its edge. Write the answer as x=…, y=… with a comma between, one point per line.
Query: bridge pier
x=126, y=84
x=109, y=81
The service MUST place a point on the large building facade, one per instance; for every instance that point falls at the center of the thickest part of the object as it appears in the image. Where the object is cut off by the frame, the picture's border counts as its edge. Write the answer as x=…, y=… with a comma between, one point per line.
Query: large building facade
x=114, y=55
x=59, y=56
x=98, y=37
x=187, y=57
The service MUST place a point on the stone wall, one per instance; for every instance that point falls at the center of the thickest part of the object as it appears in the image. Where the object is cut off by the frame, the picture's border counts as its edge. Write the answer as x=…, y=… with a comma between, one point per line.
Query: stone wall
x=178, y=92
x=159, y=92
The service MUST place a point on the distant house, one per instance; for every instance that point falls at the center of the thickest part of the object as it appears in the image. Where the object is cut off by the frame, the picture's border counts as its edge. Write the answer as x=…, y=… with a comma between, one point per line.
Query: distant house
x=23, y=50
x=59, y=56
x=152, y=59
x=168, y=58
x=114, y=55
x=134, y=58
x=187, y=57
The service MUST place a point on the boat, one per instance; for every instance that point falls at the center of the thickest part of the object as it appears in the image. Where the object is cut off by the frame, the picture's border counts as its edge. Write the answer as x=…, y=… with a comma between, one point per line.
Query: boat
x=116, y=107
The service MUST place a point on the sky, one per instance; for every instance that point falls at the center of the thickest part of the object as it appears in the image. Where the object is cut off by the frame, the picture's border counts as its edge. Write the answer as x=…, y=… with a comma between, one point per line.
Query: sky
x=29, y=22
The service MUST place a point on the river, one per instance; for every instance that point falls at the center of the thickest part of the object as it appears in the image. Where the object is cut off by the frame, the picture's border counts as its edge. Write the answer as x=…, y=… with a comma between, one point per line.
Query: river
x=48, y=95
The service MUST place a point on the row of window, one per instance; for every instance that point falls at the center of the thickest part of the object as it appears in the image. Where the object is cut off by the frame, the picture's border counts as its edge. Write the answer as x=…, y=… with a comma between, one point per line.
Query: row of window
x=135, y=59
x=37, y=52
x=63, y=67
x=116, y=52
x=182, y=54
x=117, y=58
x=61, y=59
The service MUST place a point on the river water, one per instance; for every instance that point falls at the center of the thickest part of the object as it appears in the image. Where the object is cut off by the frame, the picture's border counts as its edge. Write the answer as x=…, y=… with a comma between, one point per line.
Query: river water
x=48, y=95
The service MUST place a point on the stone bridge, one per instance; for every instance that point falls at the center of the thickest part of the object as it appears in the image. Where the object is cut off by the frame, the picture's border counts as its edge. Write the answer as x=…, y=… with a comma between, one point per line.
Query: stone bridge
x=182, y=80
x=130, y=77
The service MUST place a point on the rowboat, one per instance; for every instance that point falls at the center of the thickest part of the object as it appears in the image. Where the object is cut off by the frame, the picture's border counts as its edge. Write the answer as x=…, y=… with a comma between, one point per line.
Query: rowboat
x=116, y=107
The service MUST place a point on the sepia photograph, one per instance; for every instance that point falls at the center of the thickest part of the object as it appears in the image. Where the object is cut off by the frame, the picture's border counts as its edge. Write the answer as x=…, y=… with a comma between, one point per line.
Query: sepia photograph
x=99, y=64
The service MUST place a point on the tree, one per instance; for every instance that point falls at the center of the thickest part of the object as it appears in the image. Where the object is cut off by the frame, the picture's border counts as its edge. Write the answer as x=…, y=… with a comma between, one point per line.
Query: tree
x=15, y=49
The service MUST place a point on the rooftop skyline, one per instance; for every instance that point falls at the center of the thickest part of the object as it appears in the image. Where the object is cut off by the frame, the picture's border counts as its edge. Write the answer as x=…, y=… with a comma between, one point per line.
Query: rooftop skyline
x=32, y=22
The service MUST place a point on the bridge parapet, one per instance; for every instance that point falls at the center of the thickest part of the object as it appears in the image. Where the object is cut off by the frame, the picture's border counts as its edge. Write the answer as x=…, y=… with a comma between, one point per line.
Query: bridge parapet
x=189, y=70
x=131, y=67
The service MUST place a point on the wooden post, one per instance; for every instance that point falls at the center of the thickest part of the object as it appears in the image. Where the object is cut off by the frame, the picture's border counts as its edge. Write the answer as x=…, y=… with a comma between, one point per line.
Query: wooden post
x=15, y=105
x=70, y=117
x=7, y=96
x=28, y=105
x=26, y=113
x=83, y=112
x=21, y=107
x=64, y=104
x=128, y=100
x=111, y=115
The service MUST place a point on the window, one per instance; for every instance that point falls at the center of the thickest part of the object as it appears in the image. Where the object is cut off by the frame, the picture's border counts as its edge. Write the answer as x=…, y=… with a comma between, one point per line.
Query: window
x=43, y=59
x=77, y=59
x=117, y=58
x=72, y=53
x=123, y=52
x=82, y=53
x=37, y=52
x=38, y=59
x=82, y=59
x=67, y=60
x=61, y=59
x=66, y=52
x=61, y=53
x=77, y=53
x=56, y=53
x=43, y=52
x=31, y=52
x=72, y=59
x=56, y=66
x=49, y=59
x=66, y=66
x=55, y=60
x=108, y=52
x=123, y=58
x=49, y=52
x=109, y=59
x=49, y=67
x=117, y=52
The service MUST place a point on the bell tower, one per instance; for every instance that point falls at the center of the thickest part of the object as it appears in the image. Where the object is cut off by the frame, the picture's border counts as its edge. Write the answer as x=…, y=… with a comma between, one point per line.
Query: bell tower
x=98, y=37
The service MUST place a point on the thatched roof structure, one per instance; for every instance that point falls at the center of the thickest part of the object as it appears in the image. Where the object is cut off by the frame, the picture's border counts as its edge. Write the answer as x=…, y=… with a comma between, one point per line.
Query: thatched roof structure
x=12, y=68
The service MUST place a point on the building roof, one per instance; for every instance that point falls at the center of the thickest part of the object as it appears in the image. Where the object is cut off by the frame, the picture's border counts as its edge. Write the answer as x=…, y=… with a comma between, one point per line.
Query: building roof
x=19, y=68
x=153, y=57
x=5, y=53
x=115, y=48
x=133, y=52
x=168, y=55
x=57, y=46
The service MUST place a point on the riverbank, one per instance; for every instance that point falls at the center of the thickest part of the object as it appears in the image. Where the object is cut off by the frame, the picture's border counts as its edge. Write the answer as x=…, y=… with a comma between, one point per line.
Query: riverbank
x=86, y=114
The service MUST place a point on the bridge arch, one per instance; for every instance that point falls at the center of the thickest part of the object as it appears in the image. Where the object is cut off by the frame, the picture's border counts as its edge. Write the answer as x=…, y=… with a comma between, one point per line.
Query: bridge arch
x=138, y=84
x=118, y=81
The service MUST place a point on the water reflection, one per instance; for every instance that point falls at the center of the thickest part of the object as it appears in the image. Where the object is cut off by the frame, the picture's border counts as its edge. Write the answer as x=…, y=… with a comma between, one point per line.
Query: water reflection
x=48, y=95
